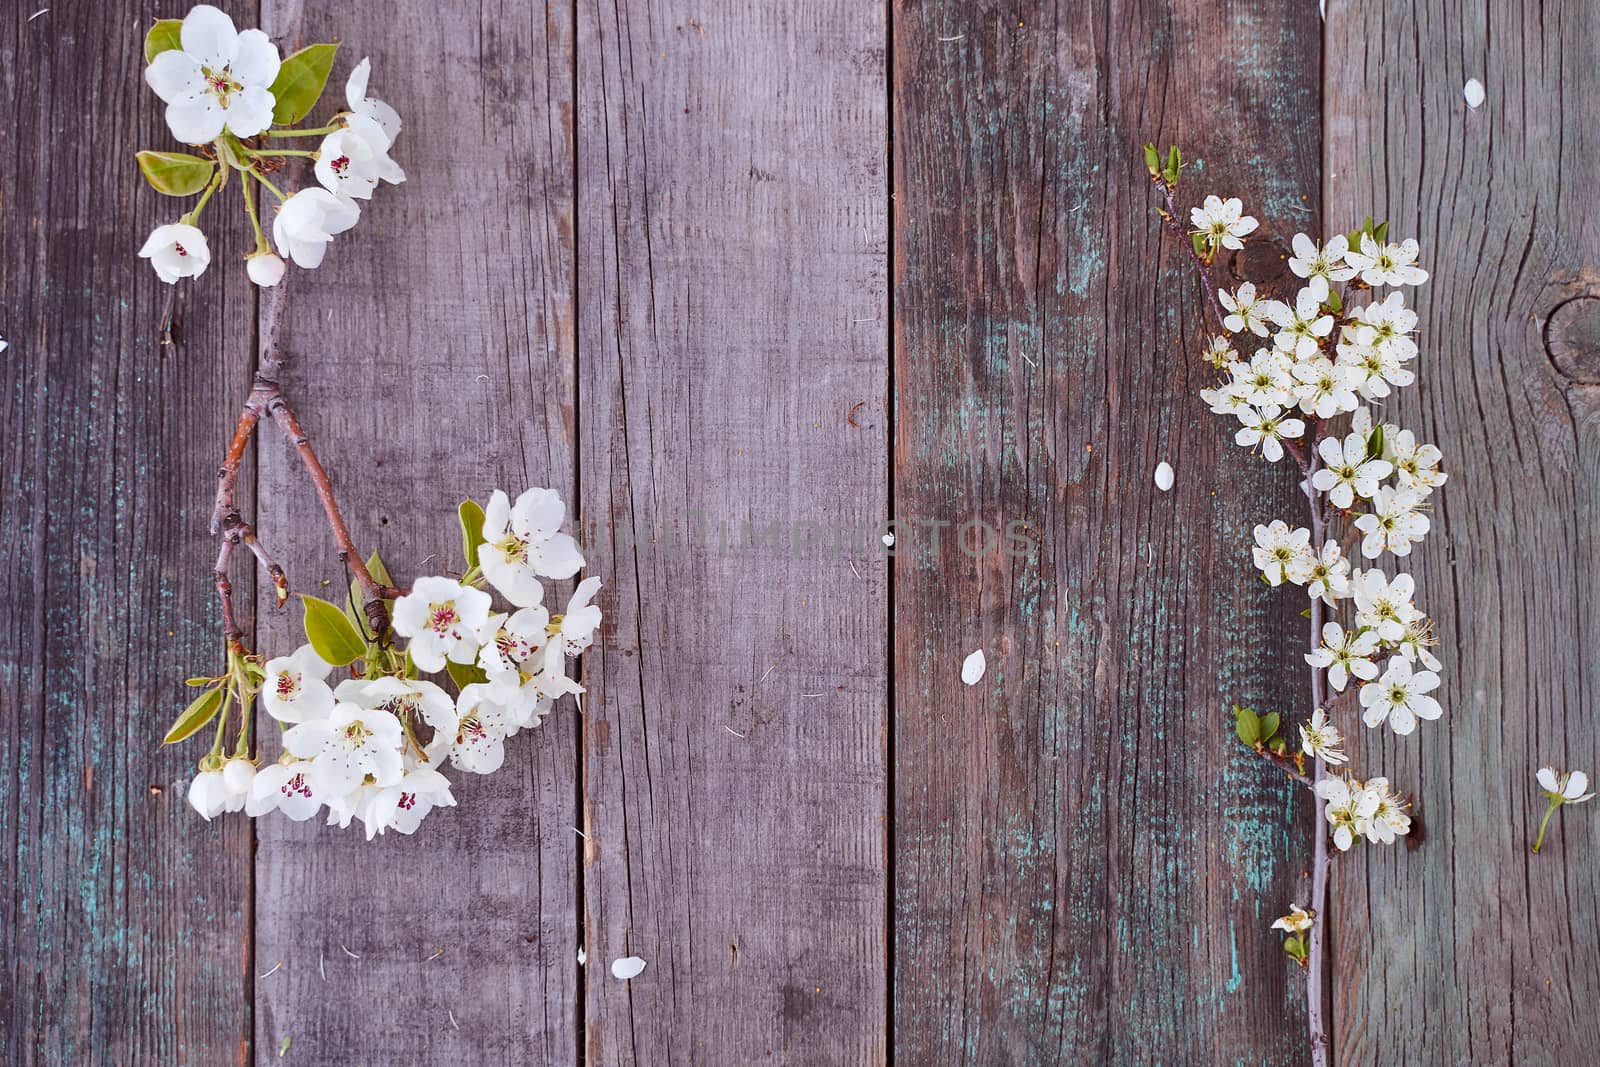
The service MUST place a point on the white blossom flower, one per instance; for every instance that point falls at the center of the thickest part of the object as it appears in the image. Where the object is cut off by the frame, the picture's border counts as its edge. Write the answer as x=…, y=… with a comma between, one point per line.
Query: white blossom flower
x=1319, y=266
x=523, y=542
x=359, y=103
x=442, y=618
x=509, y=641
x=238, y=775
x=307, y=221
x=1223, y=222
x=295, y=688
x=1394, y=522
x=488, y=713
x=1278, y=550
x=285, y=787
x=1325, y=574
x=1387, y=264
x=1385, y=324
x=1226, y=399
x=265, y=269
x=1297, y=921
x=1347, y=807
x=1569, y=787
x=581, y=619
x=1387, y=818
x=551, y=681
x=1374, y=369
x=1324, y=388
x=1268, y=427
x=177, y=250
x=1267, y=379
x=1320, y=738
x=1347, y=472
x=1302, y=328
x=410, y=700
x=1382, y=605
x=208, y=794
x=351, y=744
x=1417, y=642
x=1416, y=466
x=218, y=78
x=1401, y=697
x=1219, y=352
x=1245, y=311
x=403, y=805
x=350, y=161
x=1344, y=654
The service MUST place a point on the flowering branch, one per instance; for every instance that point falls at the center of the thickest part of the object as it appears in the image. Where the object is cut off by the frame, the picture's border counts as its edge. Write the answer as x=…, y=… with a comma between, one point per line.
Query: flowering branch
x=368, y=745
x=1326, y=359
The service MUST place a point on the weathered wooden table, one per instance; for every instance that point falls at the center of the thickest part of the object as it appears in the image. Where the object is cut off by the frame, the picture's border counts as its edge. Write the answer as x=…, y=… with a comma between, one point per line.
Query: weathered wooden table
x=716, y=271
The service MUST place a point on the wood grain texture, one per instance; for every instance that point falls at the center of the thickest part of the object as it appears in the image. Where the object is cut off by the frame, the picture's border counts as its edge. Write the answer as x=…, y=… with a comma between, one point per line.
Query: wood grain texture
x=1085, y=860
x=733, y=362
x=432, y=361
x=1464, y=948
x=119, y=909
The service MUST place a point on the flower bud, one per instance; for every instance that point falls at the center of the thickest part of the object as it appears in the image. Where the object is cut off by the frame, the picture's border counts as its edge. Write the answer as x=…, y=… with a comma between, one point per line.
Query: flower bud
x=238, y=775
x=265, y=270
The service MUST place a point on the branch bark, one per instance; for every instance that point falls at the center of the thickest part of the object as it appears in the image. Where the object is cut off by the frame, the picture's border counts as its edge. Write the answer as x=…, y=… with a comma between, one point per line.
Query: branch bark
x=1316, y=961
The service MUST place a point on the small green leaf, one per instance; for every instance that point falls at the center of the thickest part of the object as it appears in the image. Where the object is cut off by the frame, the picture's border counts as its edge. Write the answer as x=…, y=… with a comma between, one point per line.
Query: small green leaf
x=1335, y=302
x=465, y=674
x=300, y=81
x=1278, y=745
x=200, y=711
x=1152, y=160
x=1246, y=725
x=176, y=173
x=378, y=571
x=1294, y=947
x=1375, y=442
x=1174, y=165
x=198, y=682
x=1269, y=725
x=1199, y=242
x=1380, y=233
x=283, y=1046
x=164, y=36
x=1305, y=613
x=355, y=605
x=331, y=634
x=471, y=516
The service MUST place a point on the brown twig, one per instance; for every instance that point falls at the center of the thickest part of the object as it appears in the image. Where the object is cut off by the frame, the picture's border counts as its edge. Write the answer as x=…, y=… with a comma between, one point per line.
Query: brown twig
x=266, y=401
x=1316, y=965
x=1286, y=765
x=1202, y=269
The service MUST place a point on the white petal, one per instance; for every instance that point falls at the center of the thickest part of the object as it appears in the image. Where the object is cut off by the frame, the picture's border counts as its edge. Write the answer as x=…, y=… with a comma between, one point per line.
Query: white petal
x=256, y=61
x=627, y=967
x=195, y=119
x=1577, y=785
x=209, y=36
x=972, y=668
x=251, y=111
x=355, y=87
x=1474, y=93
x=174, y=74
x=1164, y=476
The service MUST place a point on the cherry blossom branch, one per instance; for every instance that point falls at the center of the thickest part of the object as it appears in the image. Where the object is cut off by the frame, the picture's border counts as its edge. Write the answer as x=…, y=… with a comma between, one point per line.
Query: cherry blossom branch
x=1316, y=964
x=1286, y=765
x=1202, y=270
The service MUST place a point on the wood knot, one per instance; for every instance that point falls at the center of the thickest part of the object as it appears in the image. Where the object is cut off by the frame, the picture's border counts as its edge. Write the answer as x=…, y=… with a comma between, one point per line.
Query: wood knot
x=1265, y=262
x=1572, y=337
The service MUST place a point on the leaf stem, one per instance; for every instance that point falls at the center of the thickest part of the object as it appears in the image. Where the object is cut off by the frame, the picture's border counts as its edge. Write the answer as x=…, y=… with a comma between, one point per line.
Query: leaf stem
x=217, y=182
x=262, y=178
x=318, y=132
x=265, y=153
x=255, y=219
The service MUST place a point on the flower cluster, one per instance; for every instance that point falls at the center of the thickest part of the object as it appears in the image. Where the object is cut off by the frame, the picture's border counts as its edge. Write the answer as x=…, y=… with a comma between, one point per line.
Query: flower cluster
x=369, y=745
x=1321, y=360
x=231, y=94
x=1357, y=809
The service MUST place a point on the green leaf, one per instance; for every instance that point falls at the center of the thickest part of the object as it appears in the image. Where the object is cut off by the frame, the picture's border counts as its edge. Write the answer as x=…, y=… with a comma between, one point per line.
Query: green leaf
x=1375, y=442
x=1380, y=232
x=176, y=173
x=300, y=81
x=1294, y=947
x=164, y=36
x=465, y=674
x=1247, y=725
x=471, y=516
x=355, y=605
x=331, y=634
x=1335, y=302
x=196, y=683
x=378, y=571
x=1278, y=745
x=283, y=1046
x=200, y=711
x=1199, y=242
x=1152, y=160
x=1269, y=725
x=1174, y=165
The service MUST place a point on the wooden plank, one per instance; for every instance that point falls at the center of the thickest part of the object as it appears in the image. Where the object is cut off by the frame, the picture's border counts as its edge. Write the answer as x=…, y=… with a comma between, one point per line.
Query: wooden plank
x=1464, y=948
x=120, y=920
x=1085, y=860
x=733, y=364
x=433, y=360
